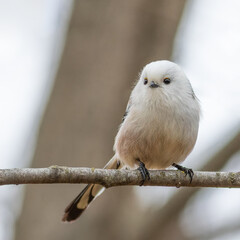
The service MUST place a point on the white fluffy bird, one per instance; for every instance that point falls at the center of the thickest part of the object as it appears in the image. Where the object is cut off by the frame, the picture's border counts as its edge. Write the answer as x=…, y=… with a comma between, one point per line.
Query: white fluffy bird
x=159, y=128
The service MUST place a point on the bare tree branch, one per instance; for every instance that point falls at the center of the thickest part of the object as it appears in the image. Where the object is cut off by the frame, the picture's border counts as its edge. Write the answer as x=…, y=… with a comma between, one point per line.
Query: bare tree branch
x=111, y=178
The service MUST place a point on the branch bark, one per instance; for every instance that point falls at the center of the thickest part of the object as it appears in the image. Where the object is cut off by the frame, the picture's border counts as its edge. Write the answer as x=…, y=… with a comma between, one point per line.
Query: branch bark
x=111, y=178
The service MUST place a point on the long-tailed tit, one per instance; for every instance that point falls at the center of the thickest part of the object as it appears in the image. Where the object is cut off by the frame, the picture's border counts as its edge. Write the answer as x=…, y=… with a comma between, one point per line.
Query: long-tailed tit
x=159, y=128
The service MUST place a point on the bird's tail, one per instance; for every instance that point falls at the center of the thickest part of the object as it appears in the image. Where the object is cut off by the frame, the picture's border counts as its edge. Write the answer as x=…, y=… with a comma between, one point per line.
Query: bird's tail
x=88, y=194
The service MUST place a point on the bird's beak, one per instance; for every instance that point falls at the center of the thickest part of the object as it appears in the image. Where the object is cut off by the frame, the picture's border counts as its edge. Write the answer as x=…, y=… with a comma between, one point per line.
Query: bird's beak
x=153, y=85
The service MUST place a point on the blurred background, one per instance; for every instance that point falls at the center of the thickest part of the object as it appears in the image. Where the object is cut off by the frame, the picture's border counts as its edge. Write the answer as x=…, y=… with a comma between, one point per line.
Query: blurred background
x=67, y=68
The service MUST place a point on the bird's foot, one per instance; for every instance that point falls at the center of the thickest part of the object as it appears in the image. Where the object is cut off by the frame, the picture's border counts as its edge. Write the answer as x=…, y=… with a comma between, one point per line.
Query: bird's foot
x=187, y=171
x=144, y=172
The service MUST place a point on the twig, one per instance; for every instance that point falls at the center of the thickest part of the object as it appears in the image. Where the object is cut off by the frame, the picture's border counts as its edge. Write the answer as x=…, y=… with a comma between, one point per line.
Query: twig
x=110, y=178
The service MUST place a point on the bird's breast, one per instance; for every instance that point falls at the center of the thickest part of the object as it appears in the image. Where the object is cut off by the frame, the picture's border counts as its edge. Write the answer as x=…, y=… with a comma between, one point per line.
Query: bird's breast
x=155, y=138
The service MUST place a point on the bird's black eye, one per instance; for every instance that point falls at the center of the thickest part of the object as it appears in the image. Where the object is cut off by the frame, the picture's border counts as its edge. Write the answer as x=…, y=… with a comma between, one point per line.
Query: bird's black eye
x=145, y=81
x=166, y=80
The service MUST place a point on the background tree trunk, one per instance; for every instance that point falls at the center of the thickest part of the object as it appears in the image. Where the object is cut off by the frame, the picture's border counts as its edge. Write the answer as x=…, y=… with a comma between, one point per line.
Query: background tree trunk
x=108, y=43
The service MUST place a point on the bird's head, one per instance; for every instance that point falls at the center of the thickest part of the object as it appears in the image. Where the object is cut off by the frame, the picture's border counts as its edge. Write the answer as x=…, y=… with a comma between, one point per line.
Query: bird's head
x=162, y=81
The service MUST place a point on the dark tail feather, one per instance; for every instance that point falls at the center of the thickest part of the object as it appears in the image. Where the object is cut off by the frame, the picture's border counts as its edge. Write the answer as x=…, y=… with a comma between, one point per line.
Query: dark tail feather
x=88, y=194
x=81, y=202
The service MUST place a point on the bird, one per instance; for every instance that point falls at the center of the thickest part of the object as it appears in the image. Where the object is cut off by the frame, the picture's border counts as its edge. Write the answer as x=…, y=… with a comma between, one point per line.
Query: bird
x=159, y=128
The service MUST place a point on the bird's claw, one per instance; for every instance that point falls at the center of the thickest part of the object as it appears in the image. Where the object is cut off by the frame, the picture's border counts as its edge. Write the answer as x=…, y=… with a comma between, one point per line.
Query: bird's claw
x=187, y=171
x=144, y=173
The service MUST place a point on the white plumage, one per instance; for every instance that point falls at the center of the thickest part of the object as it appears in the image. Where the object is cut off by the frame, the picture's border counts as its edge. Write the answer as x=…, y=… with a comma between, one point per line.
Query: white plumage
x=161, y=125
x=159, y=128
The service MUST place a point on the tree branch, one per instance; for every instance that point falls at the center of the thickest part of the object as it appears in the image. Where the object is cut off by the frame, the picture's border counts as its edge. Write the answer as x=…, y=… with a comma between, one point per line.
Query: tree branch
x=111, y=178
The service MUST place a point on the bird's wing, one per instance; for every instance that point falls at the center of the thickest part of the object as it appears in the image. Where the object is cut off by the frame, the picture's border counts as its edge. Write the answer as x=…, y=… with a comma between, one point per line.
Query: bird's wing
x=127, y=110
